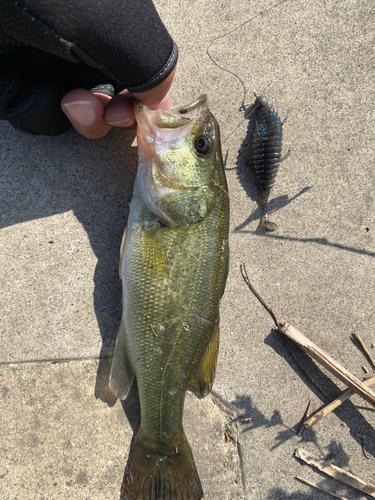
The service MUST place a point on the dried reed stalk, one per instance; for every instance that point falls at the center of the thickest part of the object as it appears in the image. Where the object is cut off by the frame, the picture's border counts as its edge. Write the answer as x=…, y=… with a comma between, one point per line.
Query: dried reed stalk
x=335, y=472
x=316, y=352
x=365, y=350
x=324, y=410
x=328, y=362
x=313, y=485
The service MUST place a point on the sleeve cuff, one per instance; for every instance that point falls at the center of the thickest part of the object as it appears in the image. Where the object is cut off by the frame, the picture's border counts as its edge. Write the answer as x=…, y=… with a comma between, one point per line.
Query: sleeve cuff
x=160, y=76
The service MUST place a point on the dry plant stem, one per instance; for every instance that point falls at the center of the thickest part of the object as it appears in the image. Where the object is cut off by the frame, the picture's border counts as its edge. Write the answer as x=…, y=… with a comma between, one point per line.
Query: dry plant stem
x=304, y=418
x=324, y=410
x=335, y=472
x=153, y=330
x=287, y=154
x=316, y=352
x=328, y=362
x=365, y=350
x=362, y=437
x=313, y=485
x=260, y=298
x=219, y=405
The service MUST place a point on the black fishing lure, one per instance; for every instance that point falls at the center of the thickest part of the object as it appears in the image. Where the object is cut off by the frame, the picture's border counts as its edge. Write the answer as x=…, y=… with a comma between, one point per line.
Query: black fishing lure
x=267, y=143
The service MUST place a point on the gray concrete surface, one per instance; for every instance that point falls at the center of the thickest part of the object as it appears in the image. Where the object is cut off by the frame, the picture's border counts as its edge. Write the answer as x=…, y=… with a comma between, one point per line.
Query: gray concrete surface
x=58, y=441
x=64, y=205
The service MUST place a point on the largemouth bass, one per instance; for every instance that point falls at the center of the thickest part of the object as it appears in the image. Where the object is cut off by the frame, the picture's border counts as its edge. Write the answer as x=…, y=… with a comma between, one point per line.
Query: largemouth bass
x=173, y=266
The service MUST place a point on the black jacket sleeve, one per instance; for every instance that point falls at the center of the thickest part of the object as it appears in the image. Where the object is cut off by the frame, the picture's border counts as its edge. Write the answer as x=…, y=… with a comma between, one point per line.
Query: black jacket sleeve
x=48, y=47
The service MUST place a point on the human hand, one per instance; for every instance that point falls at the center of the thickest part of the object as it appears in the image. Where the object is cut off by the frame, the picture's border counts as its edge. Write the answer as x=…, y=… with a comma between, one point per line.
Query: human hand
x=94, y=114
x=52, y=50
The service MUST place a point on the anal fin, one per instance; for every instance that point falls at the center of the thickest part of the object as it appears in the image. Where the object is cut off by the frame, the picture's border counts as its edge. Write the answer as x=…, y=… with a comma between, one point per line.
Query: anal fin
x=122, y=374
x=203, y=378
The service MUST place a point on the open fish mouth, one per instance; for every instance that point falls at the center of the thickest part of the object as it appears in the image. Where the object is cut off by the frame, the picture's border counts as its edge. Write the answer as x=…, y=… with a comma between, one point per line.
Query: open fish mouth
x=171, y=127
x=169, y=119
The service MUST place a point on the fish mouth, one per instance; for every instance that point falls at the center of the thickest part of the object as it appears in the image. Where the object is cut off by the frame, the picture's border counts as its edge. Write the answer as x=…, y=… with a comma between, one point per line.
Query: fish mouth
x=170, y=119
x=165, y=126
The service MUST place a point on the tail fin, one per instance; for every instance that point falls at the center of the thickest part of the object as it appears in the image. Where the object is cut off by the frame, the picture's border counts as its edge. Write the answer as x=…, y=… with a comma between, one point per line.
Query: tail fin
x=153, y=473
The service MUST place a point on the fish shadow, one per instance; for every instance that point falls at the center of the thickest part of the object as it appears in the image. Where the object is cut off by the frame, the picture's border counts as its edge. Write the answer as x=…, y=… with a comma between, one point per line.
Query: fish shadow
x=132, y=408
x=94, y=179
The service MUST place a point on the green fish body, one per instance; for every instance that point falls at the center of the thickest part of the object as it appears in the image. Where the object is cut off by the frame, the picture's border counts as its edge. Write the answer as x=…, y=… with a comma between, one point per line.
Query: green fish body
x=174, y=265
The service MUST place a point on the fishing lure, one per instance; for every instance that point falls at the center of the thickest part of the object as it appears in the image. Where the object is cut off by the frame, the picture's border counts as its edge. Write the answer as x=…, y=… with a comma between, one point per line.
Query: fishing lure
x=267, y=143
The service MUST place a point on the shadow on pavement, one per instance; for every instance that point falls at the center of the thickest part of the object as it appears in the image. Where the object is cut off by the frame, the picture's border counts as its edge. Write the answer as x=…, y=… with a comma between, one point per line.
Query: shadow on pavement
x=51, y=175
x=319, y=241
x=279, y=494
x=348, y=412
x=248, y=181
x=336, y=456
x=250, y=418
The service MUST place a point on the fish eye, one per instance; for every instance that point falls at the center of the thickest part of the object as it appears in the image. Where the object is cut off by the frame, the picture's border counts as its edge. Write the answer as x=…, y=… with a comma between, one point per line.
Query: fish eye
x=203, y=144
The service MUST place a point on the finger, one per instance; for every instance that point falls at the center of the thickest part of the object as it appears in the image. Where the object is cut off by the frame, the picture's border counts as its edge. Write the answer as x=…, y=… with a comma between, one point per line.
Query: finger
x=86, y=112
x=119, y=112
x=154, y=97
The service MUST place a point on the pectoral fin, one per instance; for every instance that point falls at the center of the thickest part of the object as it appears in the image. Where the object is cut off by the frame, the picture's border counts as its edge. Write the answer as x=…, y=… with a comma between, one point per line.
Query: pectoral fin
x=203, y=379
x=122, y=374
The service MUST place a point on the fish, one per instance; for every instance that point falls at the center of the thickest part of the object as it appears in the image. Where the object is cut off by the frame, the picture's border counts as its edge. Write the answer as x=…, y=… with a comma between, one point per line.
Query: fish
x=174, y=260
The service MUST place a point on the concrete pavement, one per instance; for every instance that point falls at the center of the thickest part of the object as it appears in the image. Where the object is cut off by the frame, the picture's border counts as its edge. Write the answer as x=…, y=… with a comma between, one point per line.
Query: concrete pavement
x=64, y=204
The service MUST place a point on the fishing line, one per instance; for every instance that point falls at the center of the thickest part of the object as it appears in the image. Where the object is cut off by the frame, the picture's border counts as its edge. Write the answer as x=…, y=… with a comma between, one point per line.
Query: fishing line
x=246, y=116
x=242, y=107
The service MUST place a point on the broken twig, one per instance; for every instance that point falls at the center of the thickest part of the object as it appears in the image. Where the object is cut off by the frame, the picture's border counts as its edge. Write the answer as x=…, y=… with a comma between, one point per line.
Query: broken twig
x=335, y=472
x=276, y=321
x=298, y=362
x=362, y=437
x=365, y=350
x=324, y=410
x=219, y=405
x=313, y=485
x=304, y=418
x=260, y=298
x=328, y=362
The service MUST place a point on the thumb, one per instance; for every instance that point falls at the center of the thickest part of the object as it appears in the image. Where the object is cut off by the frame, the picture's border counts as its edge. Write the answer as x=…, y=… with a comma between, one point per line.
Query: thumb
x=152, y=98
x=119, y=111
